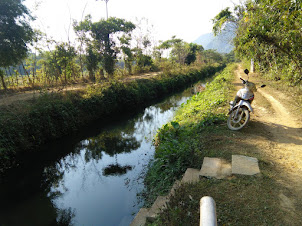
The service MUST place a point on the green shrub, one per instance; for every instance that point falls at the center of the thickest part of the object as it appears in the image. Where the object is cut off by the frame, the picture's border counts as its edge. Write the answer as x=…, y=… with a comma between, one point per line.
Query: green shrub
x=52, y=116
x=178, y=145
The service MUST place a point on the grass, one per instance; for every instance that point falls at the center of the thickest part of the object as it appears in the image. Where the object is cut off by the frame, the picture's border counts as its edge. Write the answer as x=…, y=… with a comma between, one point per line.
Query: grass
x=178, y=143
x=199, y=130
x=27, y=125
x=236, y=202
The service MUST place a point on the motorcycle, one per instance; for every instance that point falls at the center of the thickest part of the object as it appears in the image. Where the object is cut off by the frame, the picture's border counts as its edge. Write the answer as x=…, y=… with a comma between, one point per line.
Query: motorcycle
x=241, y=107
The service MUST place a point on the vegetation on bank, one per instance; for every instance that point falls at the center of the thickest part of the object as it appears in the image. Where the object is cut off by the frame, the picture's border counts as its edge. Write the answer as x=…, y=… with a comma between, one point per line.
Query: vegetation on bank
x=104, y=53
x=199, y=130
x=178, y=144
x=103, y=50
x=269, y=32
x=26, y=125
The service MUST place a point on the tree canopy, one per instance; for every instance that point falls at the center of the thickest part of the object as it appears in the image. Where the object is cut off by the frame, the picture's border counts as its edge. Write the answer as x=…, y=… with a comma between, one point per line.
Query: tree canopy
x=15, y=32
x=269, y=31
x=181, y=52
x=101, y=33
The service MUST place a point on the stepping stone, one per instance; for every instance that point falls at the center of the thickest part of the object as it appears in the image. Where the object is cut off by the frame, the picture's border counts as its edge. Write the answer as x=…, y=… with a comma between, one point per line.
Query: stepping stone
x=157, y=207
x=244, y=165
x=140, y=218
x=215, y=167
x=191, y=176
x=175, y=186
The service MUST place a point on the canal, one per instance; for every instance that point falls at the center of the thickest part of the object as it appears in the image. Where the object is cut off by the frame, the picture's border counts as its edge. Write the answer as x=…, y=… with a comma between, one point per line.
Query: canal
x=92, y=178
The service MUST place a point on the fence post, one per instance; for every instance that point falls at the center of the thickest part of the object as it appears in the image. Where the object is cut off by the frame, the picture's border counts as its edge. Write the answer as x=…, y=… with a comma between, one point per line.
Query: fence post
x=207, y=211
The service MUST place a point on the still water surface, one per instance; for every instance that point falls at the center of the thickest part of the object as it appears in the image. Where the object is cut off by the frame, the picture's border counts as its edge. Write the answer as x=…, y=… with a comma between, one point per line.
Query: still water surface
x=96, y=181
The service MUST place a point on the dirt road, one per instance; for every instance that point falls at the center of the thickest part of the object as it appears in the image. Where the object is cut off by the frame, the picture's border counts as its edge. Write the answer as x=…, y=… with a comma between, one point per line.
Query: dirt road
x=275, y=134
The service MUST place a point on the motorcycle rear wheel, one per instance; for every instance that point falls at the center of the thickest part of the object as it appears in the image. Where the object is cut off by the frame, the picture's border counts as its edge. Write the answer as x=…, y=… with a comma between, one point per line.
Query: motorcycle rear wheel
x=241, y=120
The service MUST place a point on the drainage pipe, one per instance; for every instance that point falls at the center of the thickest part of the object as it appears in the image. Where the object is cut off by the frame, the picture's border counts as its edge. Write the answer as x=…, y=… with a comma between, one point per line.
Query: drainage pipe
x=207, y=211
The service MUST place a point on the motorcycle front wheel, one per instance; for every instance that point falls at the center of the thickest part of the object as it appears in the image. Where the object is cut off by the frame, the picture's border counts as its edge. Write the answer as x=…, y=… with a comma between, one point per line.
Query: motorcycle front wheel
x=237, y=123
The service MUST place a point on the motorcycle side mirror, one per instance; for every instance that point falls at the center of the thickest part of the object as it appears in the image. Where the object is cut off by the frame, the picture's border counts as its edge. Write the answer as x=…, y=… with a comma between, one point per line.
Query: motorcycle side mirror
x=262, y=86
x=246, y=71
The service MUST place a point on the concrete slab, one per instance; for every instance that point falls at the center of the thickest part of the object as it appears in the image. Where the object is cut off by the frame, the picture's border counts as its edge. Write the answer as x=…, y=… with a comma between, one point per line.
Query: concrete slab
x=175, y=186
x=157, y=207
x=215, y=167
x=244, y=165
x=191, y=176
x=140, y=218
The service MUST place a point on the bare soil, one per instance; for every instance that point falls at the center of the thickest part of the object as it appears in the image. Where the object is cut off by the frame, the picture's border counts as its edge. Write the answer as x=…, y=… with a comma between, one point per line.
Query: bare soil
x=274, y=137
x=275, y=133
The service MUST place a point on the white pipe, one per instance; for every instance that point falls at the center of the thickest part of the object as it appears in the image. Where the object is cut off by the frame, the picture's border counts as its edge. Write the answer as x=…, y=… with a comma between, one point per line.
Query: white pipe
x=207, y=211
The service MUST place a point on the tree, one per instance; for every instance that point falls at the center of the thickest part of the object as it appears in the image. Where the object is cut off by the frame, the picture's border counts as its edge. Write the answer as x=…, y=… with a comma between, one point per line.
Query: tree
x=269, y=31
x=194, y=49
x=181, y=52
x=50, y=66
x=211, y=56
x=65, y=54
x=15, y=33
x=127, y=51
x=102, y=37
x=226, y=19
x=91, y=61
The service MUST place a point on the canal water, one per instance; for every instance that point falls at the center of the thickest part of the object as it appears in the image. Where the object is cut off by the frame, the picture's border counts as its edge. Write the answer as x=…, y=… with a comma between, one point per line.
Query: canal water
x=97, y=179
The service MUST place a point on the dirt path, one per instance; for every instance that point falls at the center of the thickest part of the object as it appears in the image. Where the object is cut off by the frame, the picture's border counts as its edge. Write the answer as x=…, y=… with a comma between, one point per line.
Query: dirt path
x=275, y=130
x=9, y=98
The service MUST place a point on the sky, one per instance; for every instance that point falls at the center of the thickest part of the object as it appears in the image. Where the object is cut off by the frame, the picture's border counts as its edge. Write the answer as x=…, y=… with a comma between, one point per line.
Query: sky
x=186, y=19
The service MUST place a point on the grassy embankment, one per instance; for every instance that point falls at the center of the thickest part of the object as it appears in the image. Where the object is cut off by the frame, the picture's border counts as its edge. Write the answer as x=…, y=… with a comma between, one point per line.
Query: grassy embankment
x=27, y=125
x=199, y=130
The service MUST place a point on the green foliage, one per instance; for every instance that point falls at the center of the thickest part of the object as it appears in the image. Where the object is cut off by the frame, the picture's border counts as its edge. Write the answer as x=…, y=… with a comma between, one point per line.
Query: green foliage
x=15, y=32
x=178, y=144
x=212, y=55
x=99, y=45
x=269, y=31
x=238, y=201
x=127, y=51
x=102, y=39
x=181, y=52
x=91, y=60
x=25, y=126
x=144, y=63
x=220, y=20
x=194, y=49
x=64, y=54
x=50, y=66
x=55, y=65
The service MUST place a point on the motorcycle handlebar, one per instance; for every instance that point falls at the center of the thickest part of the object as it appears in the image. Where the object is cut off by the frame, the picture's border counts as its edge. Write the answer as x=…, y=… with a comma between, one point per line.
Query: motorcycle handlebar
x=243, y=80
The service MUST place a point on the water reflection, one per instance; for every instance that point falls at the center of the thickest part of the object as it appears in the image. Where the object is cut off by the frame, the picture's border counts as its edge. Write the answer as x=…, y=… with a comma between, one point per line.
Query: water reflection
x=104, y=173
x=110, y=142
x=97, y=182
x=116, y=169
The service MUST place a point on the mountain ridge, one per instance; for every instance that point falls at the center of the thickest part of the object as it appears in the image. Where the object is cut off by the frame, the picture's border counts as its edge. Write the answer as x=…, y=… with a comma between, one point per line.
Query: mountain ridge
x=222, y=43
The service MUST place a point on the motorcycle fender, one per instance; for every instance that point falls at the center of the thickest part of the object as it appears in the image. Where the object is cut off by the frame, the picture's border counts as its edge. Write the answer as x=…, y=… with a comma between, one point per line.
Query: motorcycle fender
x=247, y=104
x=241, y=102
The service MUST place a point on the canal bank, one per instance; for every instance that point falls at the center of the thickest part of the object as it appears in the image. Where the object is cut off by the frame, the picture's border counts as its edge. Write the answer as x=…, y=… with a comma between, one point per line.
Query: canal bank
x=27, y=126
x=267, y=198
x=92, y=180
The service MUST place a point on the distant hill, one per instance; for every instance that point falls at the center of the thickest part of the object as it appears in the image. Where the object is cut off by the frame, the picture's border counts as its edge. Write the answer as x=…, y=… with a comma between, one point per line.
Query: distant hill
x=222, y=43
